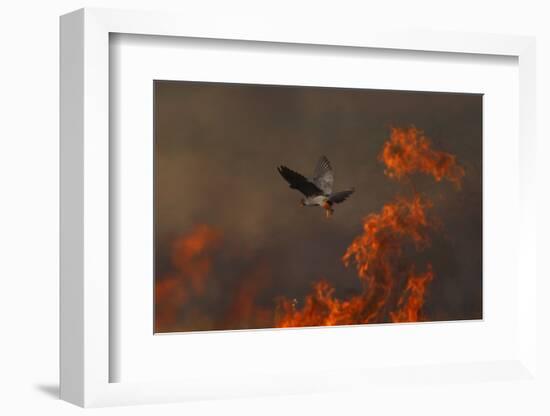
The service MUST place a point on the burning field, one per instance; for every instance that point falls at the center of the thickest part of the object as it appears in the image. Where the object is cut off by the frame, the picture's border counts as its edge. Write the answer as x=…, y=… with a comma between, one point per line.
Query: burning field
x=389, y=256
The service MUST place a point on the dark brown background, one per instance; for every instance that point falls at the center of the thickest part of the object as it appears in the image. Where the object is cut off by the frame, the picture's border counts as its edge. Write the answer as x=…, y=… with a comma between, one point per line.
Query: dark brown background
x=217, y=149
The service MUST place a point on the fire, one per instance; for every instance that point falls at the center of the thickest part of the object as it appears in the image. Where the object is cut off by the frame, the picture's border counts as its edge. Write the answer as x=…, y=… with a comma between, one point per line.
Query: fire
x=411, y=301
x=321, y=308
x=390, y=289
x=409, y=151
x=384, y=235
x=191, y=255
x=377, y=256
x=379, y=253
x=191, y=262
x=243, y=311
x=180, y=294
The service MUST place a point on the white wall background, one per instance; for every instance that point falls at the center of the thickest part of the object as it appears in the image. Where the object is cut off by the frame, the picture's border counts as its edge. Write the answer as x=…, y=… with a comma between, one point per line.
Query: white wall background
x=29, y=210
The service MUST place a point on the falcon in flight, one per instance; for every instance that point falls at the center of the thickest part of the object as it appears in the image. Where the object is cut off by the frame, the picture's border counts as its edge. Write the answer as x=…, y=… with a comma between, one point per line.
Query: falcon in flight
x=318, y=189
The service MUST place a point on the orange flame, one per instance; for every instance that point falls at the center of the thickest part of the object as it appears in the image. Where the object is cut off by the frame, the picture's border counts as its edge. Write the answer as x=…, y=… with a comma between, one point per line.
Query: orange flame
x=408, y=151
x=376, y=254
x=321, y=308
x=191, y=260
x=378, y=250
x=243, y=311
x=384, y=235
x=411, y=301
x=191, y=255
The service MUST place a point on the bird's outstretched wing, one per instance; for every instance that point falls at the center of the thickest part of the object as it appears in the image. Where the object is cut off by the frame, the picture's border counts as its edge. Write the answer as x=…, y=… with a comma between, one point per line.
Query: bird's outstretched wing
x=299, y=182
x=323, y=177
x=341, y=196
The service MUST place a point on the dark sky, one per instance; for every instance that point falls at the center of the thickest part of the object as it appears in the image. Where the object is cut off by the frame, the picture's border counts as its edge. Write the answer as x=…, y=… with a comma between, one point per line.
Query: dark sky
x=217, y=149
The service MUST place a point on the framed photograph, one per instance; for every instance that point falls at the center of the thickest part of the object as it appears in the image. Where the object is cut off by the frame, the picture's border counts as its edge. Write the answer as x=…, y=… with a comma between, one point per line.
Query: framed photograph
x=233, y=249
x=268, y=212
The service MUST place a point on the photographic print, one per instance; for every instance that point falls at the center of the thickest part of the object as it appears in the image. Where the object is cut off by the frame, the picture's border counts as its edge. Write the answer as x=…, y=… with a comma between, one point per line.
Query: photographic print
x=297, y=206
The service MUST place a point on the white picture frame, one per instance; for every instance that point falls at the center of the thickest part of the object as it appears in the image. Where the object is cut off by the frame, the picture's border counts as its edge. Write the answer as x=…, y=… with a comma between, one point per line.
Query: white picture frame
x=85, y=355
